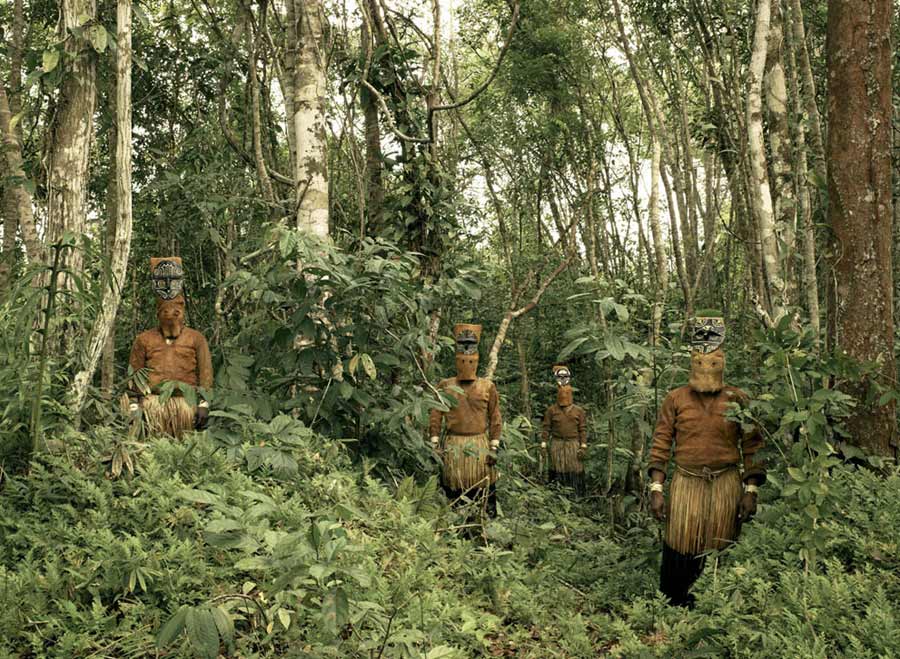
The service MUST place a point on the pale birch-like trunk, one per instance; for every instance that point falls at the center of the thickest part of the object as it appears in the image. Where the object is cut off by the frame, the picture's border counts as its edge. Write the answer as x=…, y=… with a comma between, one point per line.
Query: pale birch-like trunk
x=524, y=383
x=72, y=131
x=809, y=89
x=659, y=252
x=784, y=203
x=121, y=246
x=759, y=177
x=310, y=173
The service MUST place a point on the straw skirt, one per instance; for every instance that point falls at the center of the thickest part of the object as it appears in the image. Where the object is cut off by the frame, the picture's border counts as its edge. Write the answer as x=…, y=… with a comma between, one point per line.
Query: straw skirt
x=464, y=462
x=703, y=511
x=564, y=457
x=174, y=417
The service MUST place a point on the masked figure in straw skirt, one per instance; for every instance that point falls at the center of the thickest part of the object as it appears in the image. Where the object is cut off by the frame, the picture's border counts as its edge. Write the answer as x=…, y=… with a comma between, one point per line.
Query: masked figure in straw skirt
x=473, y=424
x=169, y=352
x=564, y=428
x=716, y=474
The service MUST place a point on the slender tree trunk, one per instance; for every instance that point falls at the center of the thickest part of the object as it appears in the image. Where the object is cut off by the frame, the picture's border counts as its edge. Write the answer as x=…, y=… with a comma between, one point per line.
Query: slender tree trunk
x=761, y=192
x=374, y=183
x=810, y=277
x=15, y=167
x=784, y=202
x=809, y=89
x=659, y=252
x=262, y=174
x=524, y=382
x=310, y=175
x=121, y=247
x=860, y=204
x=72, y=132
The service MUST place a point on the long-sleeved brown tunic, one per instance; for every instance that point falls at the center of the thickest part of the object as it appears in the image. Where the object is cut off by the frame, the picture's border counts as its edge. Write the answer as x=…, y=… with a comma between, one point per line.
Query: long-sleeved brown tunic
x=567, y=422
x=702, y=436
x=186, y=359
x=477, y=409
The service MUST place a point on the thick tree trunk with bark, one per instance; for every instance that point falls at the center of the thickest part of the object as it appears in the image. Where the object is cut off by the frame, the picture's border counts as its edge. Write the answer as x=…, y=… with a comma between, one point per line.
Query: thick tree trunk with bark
x=121, y=245
x=310, y=173
x=860, y=205
x=72, y=131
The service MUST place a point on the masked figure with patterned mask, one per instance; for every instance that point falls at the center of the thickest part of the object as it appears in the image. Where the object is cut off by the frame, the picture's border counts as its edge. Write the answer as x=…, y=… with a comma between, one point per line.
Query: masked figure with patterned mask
x=471, y=427
x=716, y=475
x=168, y=352
x=564, y=434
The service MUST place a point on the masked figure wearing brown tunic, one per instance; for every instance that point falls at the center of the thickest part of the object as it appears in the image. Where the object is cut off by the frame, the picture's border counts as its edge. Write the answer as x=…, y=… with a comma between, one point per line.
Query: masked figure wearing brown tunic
x=564, y=434
x=716, y=473
x=472, y=427
x=169, y=352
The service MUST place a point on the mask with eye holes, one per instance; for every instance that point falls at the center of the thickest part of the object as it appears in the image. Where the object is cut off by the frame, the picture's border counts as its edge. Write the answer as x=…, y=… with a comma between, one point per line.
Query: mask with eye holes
x=563, y=377
x=467, y=337
x=707, y=355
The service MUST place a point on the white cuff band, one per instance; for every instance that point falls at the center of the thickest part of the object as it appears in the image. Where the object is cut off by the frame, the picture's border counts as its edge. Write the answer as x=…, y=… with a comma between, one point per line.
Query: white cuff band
x=435, y=440
x=584, y=446
x=204, y=403
x=656, y=487
x=133, y=407
x=543, y=444
x=751, y=489
x=495, y=444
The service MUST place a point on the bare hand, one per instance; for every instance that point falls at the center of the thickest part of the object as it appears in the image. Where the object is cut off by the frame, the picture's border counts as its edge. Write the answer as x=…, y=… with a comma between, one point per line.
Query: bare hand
x=491, y=458
x=658, y=505
x=747, y=507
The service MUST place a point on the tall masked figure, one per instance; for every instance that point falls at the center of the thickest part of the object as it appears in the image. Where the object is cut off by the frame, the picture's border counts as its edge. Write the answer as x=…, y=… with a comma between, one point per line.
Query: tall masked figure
x=716, y=475
x=471, y=428
x=564, y=434
x=170, y=351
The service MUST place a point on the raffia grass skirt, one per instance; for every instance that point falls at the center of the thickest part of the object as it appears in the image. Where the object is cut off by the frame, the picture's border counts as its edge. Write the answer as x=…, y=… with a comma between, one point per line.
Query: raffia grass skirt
x=464, y=462
x=703, y=512
x=174, y=417
x=564, y=457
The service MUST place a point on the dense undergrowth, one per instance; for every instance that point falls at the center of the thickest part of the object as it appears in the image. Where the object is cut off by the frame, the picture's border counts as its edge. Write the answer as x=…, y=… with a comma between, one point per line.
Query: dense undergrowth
x=195, y=555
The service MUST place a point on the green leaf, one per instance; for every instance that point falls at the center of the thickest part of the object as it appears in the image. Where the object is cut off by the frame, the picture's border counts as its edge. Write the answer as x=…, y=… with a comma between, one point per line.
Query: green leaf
x=572, y=347
x=198, y=496
x=616, y=347
x=50, y=60
x=202, y=632
x=335, y=610
x=98, y=37
x=368, y=366
x=172, y=628
x=224, y=625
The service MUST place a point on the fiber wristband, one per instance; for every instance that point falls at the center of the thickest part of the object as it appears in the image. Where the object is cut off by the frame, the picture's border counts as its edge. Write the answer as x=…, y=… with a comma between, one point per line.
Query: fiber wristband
x=656, y=487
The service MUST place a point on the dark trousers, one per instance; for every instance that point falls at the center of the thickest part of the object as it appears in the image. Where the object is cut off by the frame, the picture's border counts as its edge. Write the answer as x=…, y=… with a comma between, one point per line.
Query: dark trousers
x=677, y=575
x=476, y=494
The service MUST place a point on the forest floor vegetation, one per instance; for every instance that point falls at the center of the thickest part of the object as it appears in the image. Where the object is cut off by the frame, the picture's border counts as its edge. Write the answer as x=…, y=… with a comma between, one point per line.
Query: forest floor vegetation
x=193, y=555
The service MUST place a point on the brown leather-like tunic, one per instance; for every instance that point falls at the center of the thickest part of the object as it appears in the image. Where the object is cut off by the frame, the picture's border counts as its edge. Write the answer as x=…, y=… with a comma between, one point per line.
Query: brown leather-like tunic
x=476, y=412
x=186, y=359
x=567, y=422
x=695, y=423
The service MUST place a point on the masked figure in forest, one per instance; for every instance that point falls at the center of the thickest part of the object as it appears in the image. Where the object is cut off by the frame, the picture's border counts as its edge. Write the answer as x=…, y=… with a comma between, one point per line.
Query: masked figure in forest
x=716, y=473
x=168, y=352
x=564, y=429
x=473, y=424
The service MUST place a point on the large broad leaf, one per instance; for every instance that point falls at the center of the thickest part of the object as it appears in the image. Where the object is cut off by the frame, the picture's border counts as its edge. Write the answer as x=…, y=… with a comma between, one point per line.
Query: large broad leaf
x=616, y=347
x=198, y=496
x=203, y=633
x=335, y=610
x=173, y=628
x=572, y=347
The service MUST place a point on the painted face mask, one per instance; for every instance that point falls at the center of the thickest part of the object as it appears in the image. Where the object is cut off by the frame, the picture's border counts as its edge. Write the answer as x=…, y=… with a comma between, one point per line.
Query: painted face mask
x=707, y=334
x=167, y=277
x=467, y=337
x=564, y=392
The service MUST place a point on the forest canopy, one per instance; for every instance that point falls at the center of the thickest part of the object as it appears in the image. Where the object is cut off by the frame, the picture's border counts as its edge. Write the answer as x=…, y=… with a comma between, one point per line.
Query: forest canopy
x=320, y=210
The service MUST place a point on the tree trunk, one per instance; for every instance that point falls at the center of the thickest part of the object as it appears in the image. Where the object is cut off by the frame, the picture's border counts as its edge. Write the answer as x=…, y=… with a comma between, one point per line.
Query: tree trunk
x=24, y=211
x=860, y=205
x=760, y=190
x=121, y=246
x=784, y=202
x=374, y=183
x=662, y=270
x=810, y=277
x=524, y=382
x=809, y=89
x=72, y=131
x=310, y=173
